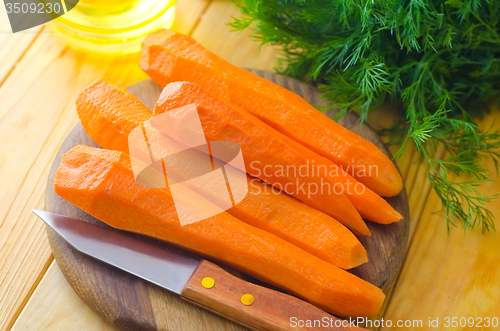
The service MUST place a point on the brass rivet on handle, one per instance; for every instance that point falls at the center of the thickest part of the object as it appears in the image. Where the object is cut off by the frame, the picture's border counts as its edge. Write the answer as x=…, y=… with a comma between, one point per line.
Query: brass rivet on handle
x=247, y=299
x=208, y=282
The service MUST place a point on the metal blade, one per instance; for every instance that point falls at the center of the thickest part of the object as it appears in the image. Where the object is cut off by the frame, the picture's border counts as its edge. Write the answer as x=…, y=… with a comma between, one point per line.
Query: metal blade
x=149, y=262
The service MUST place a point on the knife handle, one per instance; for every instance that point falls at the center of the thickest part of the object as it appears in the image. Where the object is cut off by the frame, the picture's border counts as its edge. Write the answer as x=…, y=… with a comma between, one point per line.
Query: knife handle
x=255, y=307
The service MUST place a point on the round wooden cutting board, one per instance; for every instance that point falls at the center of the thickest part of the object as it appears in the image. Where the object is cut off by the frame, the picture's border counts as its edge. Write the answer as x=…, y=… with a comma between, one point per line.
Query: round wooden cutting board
x=130, y=303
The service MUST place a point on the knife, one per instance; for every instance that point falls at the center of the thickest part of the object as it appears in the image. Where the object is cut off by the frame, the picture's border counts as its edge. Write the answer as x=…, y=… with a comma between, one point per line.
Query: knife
x=199, y=282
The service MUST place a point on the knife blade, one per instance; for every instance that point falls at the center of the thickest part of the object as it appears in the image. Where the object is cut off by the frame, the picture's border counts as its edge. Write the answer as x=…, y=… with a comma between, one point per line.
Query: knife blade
x=199, y=282
x=171, y=271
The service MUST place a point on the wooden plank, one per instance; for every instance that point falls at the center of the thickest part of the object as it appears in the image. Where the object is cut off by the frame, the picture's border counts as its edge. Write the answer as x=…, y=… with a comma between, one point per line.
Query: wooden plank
x=236, y=47
x=450, y=276
x=55, y=306
x=14, y=45
x=187, y=15
x=36, y=116
x=37, y=113
x=413, y=170
x=419, y=187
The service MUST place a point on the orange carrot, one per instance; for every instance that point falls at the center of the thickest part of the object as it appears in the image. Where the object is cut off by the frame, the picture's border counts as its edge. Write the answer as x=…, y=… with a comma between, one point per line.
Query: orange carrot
x=263, y=207
x=226, y=122
x=299, y=224
x=101, y=182
x=168, y=56
x=368, y=203
x=98, y=107
x=266, y=154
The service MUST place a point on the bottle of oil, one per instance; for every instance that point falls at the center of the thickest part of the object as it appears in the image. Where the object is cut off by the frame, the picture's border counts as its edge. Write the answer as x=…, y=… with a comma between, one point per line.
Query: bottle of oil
x=112, y=26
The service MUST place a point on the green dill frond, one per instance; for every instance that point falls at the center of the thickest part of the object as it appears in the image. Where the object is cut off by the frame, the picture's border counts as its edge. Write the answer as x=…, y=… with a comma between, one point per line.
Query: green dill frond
x=437, y=61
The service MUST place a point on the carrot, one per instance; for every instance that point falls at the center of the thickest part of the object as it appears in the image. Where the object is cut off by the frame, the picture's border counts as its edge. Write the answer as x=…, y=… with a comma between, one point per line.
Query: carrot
x=168, y=56
x=299, y=224
x=266, y=154
x=368, y=203
x=263, y=207
x=226, y=122
x=101, y=182
x=109, y=102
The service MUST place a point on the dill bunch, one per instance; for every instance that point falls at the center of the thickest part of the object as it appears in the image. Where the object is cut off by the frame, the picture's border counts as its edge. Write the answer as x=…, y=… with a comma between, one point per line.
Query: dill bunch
x=437, y=61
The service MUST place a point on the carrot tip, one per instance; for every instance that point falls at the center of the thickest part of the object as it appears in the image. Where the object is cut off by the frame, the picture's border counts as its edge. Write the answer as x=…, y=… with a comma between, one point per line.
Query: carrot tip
x=359, y=255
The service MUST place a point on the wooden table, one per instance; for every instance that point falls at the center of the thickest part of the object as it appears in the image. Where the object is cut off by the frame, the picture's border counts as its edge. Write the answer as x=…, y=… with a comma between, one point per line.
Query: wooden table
x=443, y=276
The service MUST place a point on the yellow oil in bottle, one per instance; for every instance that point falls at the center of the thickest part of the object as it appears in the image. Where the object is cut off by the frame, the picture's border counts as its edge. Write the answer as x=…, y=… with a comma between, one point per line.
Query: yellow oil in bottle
x=112, y=26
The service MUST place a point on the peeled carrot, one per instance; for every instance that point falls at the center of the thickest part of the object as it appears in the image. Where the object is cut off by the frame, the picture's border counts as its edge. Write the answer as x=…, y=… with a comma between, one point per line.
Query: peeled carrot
x=222, y=121
x=101, y=183
x=263, y=207
x=368, y=203
x=168, y=56
x=299, y=224
x=98, y=108
x=265, y=152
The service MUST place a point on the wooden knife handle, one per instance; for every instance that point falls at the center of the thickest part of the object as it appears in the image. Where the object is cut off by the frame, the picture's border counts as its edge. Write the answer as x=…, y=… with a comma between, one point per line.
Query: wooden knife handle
x=214, y=289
